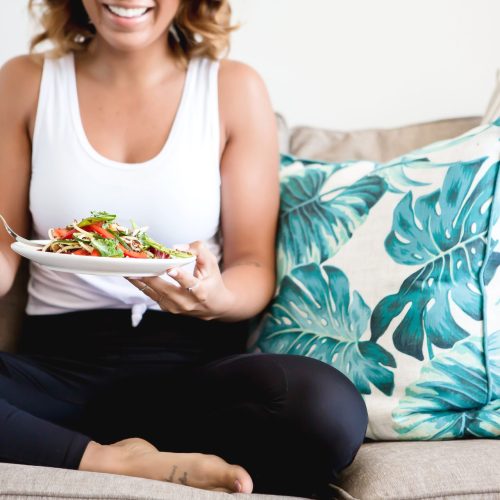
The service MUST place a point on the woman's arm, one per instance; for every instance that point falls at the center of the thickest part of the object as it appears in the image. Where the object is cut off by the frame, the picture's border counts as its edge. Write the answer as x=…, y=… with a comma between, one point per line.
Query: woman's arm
x=249, y=211
x=250, y=189
x=19, y=83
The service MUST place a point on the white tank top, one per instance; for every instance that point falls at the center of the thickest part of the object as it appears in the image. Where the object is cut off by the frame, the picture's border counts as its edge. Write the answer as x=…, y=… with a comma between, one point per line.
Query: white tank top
x=176, y=193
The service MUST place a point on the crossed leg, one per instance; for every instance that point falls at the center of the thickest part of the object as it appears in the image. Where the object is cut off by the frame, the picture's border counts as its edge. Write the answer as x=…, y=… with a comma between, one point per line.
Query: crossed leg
x=292, y=422
x=42, y=414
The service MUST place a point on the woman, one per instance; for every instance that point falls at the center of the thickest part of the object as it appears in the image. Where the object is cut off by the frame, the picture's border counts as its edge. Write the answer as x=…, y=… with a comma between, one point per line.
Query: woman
x=136, y=114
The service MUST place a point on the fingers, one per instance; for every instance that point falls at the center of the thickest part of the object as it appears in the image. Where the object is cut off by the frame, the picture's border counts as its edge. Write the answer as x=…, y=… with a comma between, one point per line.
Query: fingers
x=173, y=297
x=206, y=261
x=190, y=289
x=144, y=287
x=186, y=280
x=189, y=283
x=163, y=293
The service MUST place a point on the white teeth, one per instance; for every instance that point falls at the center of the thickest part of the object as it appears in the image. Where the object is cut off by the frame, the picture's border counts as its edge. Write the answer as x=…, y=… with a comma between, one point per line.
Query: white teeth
x=123, y=12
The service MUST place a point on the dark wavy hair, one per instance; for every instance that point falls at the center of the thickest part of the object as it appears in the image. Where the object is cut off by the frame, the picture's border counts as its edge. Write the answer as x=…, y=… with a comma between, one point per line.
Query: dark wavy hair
x=200, y=27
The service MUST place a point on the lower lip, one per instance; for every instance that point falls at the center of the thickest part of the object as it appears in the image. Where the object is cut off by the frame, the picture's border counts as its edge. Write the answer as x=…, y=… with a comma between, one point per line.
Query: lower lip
x=126, y=21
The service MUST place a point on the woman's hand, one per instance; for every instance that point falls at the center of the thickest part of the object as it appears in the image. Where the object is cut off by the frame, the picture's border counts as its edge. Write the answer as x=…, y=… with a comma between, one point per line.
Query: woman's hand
x=202, y=294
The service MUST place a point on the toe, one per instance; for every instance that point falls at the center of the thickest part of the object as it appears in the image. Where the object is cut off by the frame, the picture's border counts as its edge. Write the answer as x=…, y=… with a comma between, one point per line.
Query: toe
x=239, y=480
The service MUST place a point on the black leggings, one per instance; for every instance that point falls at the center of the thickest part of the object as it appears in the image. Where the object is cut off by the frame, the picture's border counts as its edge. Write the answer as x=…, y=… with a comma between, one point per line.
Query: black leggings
x=183, y=384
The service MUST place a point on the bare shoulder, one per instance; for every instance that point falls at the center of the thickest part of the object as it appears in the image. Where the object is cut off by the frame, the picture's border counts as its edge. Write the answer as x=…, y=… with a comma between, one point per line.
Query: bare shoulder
x=238, y=78
x=19, y=84
x=243, y=98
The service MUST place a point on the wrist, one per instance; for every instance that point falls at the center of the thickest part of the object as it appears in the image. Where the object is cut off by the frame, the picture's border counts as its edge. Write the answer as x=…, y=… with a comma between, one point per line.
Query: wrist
x=226, y=305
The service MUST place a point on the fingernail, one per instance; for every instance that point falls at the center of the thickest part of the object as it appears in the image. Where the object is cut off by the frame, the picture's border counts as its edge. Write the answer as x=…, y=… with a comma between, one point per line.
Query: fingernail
x=172, y=272
x=237, y=486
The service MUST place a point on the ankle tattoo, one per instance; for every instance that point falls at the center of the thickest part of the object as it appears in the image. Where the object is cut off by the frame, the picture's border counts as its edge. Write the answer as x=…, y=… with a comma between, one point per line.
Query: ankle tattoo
x=170, y=478
x=182, y=479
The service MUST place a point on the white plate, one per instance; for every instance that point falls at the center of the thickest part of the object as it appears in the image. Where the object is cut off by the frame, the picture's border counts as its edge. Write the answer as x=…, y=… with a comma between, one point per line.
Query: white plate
x=110, y=266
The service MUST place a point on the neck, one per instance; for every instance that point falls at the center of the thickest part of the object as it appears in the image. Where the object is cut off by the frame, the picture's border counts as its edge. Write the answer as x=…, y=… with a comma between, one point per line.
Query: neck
x=143, y=67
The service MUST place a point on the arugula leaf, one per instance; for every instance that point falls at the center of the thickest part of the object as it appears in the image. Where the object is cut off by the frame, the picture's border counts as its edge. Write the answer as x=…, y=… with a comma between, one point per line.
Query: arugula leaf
x=149, y=242
x=97, y=217
x=121, y=240
x=106, y=247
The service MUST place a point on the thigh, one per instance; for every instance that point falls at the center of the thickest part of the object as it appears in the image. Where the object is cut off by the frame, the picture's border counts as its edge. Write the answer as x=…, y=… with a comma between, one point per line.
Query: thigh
x=55, y=390
x=292, y=421
x=174, y=407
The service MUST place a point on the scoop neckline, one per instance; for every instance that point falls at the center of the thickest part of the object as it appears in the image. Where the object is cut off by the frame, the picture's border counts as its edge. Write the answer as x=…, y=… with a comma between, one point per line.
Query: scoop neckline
x=84, y=140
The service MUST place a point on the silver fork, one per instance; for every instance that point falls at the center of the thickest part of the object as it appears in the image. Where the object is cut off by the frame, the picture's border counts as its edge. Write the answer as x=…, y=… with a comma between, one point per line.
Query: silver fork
x=33, y=243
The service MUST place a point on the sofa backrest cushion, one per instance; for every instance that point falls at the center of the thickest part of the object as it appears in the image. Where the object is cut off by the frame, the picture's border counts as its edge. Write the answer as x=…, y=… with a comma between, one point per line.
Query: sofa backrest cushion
x=391, y=273
x=493, y=109
x=378, y=145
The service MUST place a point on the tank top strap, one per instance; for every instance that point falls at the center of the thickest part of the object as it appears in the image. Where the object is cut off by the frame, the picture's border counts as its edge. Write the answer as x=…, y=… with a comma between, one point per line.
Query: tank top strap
x=52, y=114
x=200, y=115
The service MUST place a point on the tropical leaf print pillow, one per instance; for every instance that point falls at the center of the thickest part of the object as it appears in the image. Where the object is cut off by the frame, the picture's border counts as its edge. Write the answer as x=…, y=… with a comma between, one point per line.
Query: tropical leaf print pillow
x=391, y=274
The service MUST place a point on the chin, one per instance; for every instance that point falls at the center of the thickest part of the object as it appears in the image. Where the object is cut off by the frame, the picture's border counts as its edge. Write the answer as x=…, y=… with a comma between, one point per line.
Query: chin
x=129, y=42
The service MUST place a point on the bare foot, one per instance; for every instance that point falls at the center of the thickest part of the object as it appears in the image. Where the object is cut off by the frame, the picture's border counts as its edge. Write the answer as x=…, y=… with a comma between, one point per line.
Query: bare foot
x=137, y=457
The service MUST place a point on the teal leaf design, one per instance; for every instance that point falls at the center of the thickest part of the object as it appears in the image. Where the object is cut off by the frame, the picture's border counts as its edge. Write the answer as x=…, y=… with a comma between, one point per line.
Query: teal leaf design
x=450, y=400
x=445, y=234
x=493, y=364
x=394, y=173
x=491, y=266
x=316, y=315
x=286, y=160
x=314, y=223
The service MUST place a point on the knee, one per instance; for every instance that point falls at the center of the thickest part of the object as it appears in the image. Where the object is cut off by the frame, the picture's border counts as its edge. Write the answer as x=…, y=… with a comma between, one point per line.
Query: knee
x=256, y=378
x=325, y=407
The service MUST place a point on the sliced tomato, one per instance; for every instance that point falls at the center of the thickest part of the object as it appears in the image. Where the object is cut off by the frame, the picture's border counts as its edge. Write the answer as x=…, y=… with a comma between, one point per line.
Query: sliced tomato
x=131, y=253
x=61, y=233
x=82, y=251
x=97, y=228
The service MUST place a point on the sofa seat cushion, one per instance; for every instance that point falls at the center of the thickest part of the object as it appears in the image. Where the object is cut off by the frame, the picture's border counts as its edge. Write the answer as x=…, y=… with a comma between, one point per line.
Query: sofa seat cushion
x=463, y=469
x=18, y=482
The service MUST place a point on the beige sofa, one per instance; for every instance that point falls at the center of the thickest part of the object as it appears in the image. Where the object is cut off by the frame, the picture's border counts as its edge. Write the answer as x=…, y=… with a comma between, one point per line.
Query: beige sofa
x=464, y=469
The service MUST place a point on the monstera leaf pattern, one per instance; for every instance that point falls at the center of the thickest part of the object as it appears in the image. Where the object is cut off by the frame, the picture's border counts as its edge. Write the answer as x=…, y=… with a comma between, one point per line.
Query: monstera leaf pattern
x=493, y=364
x=288, y=160
x=315, y=223
x=418, y=345
x=445, y=234
x=395, y=172
x=451, y=399
x=491, y=267
x=316, y=315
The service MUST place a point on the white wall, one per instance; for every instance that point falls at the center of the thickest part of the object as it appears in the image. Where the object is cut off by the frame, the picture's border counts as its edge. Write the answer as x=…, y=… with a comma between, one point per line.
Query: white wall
x=354, y=63
x=362, y=63
x=14, y=28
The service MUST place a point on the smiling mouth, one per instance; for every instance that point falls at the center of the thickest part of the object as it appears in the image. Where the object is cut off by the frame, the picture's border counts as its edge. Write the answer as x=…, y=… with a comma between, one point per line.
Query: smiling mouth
x=127, y=12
